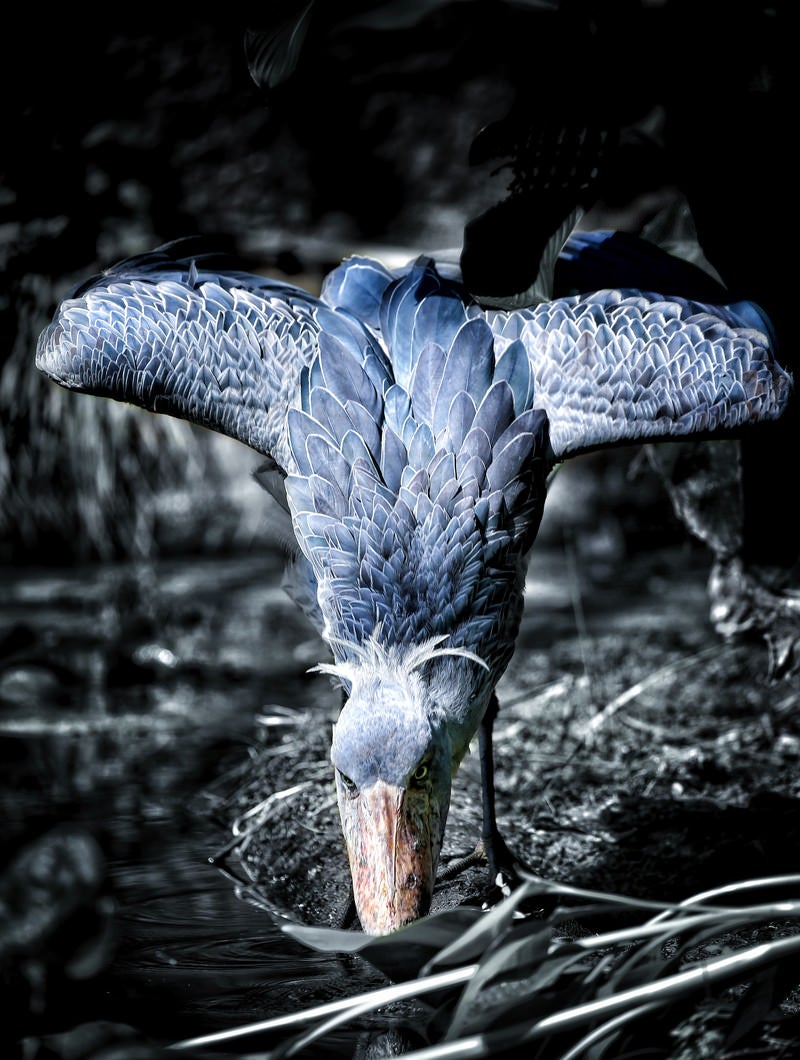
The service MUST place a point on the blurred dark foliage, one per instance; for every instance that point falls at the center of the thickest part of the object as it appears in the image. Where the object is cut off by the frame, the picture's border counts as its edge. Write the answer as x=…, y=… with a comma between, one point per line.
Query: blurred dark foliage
x=93, y=125
x=353, y=120
x=57, y=934
x=361, y=121
x=585, y=81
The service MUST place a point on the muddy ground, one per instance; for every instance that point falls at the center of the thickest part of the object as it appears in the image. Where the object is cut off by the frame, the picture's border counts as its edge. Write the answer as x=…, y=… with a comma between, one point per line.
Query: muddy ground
x=636, y=750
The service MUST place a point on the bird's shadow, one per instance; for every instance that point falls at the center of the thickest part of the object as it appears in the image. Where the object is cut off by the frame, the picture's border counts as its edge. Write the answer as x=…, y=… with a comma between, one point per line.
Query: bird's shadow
x=669, y=849
x=658, y=849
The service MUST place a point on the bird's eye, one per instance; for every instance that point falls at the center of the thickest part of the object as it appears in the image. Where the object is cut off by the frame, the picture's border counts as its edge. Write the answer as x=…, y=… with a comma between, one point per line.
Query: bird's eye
x=420, y=774
x=349, y=785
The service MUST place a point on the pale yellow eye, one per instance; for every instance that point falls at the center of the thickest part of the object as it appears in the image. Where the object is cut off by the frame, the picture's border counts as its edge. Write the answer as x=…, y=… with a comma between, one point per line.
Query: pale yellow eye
x=420, y=774
x=349, y=785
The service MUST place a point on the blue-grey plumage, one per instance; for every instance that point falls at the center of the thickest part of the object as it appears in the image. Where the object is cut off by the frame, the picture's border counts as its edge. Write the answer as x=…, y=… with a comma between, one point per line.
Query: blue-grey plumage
x=414, y=433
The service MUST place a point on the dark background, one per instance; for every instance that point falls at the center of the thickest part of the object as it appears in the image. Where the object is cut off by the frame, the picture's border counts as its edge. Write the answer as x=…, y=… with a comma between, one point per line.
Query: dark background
x=391, y=128
x=388, y=126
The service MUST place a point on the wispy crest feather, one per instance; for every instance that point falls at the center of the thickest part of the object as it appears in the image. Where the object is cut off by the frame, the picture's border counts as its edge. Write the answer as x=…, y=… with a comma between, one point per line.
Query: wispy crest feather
x=376, y=656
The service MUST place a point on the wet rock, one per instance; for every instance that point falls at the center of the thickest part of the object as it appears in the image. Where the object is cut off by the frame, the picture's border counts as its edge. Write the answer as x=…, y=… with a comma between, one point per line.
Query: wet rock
x=56, y=923
x=99, y=1040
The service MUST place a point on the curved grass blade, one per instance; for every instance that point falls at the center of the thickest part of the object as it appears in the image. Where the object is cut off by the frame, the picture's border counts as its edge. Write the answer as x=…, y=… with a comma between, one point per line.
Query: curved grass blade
x=722, y=971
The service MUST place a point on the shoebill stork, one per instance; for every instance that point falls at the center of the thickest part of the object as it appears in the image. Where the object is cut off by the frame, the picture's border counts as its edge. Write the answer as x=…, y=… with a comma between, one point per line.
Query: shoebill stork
x=410, y=434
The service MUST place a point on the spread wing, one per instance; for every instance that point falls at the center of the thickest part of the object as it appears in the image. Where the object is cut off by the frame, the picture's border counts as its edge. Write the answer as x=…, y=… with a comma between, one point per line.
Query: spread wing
x=608, y=367
x=222, y=348
x=399, y=366
x=622, y=366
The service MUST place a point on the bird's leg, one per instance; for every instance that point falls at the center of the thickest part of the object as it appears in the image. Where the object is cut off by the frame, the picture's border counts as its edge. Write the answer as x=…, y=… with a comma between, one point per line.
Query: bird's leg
x=503, y=865
x=704, y=483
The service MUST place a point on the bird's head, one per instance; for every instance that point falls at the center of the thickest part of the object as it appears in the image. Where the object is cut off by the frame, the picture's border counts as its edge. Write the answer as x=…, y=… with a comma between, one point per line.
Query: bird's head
x=396, y=747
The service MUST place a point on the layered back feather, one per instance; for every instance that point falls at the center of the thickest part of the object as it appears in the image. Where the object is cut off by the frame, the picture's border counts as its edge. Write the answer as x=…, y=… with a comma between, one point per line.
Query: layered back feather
x=415, y=429
x=420, y=478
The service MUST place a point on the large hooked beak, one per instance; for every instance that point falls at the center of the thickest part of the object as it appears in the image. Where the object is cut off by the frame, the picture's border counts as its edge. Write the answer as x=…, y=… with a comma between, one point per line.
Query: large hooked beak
x=393, y=837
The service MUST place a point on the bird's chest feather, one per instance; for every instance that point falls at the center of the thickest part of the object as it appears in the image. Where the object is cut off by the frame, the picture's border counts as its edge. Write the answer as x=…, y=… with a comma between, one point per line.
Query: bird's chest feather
x=418, y=489
x=418, y=579
x=434, y=556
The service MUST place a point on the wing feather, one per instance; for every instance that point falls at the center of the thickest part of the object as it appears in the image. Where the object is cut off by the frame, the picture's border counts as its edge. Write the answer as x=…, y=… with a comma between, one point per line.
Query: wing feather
x=222, y=348
x=617, y=367
x=414, y=428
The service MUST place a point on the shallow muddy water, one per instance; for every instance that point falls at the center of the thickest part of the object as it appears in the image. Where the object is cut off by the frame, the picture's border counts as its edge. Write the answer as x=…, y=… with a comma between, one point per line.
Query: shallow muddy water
x=131, y=694
x=127, y=693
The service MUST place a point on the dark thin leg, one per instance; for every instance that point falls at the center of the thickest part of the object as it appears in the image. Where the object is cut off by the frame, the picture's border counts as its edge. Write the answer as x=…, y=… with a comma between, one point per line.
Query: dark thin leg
x=490, y=831
x=348, y=917
x=491, y=847
x=501, y=861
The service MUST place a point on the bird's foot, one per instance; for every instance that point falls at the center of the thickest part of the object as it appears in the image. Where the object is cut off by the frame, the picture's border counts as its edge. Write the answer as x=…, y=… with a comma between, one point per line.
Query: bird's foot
x=459, y=865
x=742, y=604
x=504, y=866
x=506, y=874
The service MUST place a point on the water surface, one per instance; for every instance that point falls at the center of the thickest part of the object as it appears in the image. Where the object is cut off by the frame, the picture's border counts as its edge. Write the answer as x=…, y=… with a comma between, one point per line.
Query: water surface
x=129, y=694
x=132, y=699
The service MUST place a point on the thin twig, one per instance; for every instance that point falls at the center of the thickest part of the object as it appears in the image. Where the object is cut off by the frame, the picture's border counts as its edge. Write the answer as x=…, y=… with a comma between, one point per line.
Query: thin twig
x=351, y=1006
x=654, y=678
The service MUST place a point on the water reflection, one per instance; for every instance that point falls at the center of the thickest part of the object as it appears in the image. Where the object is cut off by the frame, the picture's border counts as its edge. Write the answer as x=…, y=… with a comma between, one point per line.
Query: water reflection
x=194, y=958
x=125, y=693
